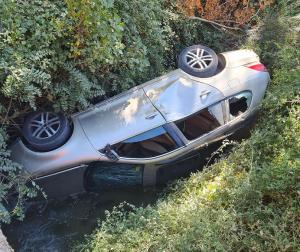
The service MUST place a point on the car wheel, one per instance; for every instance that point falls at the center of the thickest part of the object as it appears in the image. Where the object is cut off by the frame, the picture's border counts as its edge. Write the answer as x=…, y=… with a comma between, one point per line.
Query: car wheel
x=199, y=61
x=46, y=131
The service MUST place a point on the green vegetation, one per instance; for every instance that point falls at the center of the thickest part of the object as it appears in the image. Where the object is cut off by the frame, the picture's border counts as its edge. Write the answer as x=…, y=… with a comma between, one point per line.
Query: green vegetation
x=247, y=201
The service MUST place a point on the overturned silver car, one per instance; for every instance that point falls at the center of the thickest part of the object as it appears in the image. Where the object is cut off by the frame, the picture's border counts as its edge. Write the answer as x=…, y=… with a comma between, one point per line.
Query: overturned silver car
x=128, y=138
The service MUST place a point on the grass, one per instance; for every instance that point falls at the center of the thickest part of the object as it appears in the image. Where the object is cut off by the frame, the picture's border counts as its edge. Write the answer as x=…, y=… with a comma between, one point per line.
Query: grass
x=247, y=201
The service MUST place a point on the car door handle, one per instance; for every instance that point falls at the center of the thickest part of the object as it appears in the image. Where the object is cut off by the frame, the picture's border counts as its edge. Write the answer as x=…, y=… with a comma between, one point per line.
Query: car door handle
x=152, y=116
x=204, y=93
x=110, y=153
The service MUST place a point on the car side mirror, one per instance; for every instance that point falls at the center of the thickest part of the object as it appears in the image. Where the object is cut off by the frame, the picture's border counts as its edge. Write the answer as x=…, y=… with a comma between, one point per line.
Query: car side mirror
x=110, y=153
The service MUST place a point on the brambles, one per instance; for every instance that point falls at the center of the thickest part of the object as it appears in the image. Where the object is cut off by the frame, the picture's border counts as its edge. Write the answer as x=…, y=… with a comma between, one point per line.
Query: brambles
x=232, y=13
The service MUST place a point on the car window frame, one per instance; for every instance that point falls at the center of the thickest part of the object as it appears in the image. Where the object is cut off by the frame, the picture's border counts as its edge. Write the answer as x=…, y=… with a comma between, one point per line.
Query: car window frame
x=200, y=138
x=172, y=133
x=186, y=142
x=205, y=139
x=226, y=116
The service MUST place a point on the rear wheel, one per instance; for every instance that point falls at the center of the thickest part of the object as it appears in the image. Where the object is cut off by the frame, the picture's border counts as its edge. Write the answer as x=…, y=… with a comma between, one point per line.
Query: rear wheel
x=199, y=61
x=46, y=131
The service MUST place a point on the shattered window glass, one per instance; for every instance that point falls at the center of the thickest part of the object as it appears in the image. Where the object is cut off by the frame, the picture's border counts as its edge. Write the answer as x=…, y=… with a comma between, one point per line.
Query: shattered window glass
x=239, y=104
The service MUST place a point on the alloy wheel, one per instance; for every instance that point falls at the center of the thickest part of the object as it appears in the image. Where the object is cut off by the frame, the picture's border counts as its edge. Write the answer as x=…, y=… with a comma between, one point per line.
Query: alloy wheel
x=44, y=125
x=198, y=59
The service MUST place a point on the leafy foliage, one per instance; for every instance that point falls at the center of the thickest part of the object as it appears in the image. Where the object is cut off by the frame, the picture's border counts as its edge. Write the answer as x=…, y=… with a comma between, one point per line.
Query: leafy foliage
x=39, y=38
x=12, y=182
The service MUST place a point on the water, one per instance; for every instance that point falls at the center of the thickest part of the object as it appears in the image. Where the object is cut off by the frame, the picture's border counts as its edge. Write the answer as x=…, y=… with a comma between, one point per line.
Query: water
x=57, y=225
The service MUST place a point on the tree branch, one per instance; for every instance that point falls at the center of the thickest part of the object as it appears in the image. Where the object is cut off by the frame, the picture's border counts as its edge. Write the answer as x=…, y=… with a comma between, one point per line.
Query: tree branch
x=215, y=23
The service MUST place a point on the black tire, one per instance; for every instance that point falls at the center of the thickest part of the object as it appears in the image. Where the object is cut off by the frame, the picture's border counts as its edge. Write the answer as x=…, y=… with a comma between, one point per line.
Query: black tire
x=36, y=134
x=205, y=65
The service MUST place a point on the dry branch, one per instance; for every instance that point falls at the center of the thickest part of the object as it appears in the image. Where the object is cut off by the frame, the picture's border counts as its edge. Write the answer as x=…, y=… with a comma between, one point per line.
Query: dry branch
x=215, y=23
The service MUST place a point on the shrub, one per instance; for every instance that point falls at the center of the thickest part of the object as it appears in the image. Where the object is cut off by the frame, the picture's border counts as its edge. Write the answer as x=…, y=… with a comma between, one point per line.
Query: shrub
x=146, y=40
x=48, y=50
x=69, y=52
x=13, y=182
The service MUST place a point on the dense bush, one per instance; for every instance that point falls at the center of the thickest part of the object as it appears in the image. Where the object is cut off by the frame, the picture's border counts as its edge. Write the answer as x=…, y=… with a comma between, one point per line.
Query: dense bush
x=62, y=54
x=67, y=52
x=248, y=201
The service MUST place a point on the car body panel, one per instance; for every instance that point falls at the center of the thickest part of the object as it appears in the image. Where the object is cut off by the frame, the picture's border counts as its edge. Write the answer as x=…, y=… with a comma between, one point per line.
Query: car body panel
x=76, y=151
x=167, y=96
x=240, y=57
x=252, y=80
x=119, y=119
x=64, y=183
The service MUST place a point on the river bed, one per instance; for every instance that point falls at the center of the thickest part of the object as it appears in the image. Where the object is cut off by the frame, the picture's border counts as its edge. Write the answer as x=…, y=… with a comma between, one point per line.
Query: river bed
x=58, y=225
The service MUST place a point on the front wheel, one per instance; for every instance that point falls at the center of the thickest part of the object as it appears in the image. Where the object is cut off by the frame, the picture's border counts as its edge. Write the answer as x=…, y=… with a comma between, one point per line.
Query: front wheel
x=46, y=131
x=199, y=61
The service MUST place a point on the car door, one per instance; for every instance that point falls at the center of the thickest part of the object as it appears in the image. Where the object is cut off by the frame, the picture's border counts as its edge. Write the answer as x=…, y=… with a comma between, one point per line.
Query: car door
x=216, y=121
x=205, y=126
x=179, y=97
x=175, y=139
x=120, y=118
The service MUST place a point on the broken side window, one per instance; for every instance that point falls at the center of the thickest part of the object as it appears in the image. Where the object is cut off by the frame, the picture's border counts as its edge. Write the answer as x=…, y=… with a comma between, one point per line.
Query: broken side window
x=152, y=143
x=202, y=122
x=239, y=104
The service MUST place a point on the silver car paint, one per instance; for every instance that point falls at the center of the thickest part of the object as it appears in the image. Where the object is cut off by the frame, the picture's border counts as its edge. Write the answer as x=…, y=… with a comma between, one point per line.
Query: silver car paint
x=240, y=57
x=74, y=152
x=99, y=125
x=129, y=115
x=181, y=97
